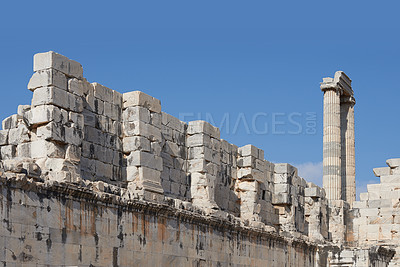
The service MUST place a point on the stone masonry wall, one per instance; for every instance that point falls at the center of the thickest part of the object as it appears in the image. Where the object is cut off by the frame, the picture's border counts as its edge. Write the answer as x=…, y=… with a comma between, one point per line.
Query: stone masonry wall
x=376, y=217
x=76, y=131
x=50, y=224
x=87, y=140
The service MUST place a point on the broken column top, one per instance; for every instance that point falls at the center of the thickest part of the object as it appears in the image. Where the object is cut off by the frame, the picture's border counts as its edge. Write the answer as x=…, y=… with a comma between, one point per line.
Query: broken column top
x=340, y=82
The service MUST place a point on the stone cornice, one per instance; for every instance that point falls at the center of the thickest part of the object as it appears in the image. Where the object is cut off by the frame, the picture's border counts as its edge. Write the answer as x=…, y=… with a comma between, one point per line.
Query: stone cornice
x=340, y=82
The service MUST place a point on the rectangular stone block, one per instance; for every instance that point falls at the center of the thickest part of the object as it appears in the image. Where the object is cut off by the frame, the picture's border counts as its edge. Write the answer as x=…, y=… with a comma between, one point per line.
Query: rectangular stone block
x=141, y=158
x=8, y=152
x=149, y=174
x=202, y=127
x=142, y=129
x=281, y=188
x=390, y=179
x=249, y=173
x=52, y=132
x=22, y=109
x=198, y=140
x=50, y=95
x=73, y=153
x=285, y=168
x=59, y=62
x=393, y=163
x=44, y=114
x=172, y=122
x=48, y=77
x=43, y=149
x=73, y=136
x=247, y=161
x=250, y=150
x=103, y=93
x=79, y=87
x=3, y=137
x=94, y=135
x=24, y=150
x=155, y=148
x=280, y=199
x=381, y=171
x=117, y=99
x=77, y=119
x=137, y=98
x=136, y=113
x=312, y=192
x=172, y=148
x=10, y=122
x=94, y=105
x=18, y=135
x=135, y=143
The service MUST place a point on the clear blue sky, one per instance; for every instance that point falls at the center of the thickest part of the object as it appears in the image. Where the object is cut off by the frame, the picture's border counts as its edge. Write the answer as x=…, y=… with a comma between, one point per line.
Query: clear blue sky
x=240, y=58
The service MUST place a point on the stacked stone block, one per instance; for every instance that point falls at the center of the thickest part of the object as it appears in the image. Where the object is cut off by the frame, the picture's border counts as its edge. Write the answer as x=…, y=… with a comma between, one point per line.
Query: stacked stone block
x=225, y=194
x=288, y=198
x=142, y=144
x=255, y=186
x=79, y=130
x=316, y=212
x=377, y=214
x=203, y=144
x=101, y=156
x=174, y=153
x=54, y=120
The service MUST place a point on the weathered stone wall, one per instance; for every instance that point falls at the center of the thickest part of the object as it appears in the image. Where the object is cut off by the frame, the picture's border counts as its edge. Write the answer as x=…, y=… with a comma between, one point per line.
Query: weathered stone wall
x=376, y=217
x=60, y=225
x=99, y=160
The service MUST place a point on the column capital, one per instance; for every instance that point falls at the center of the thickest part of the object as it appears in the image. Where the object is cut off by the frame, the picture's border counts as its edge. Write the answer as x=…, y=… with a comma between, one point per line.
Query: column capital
x=341, y=82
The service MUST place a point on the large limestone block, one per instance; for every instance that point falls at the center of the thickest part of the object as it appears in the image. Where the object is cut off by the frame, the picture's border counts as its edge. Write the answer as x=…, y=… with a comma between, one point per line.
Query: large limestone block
x=250, y=150
x=136, y=113
x=203, y=127
x=79, y=87
x=47, y=77
x=3, y=137
x=10, y=122
x=18, y=135
x=285, y=168
x=393, y=163
x=281, y=199
x=58, y=97
x=59, y=62
x=44, y=114
x=137, y=98
x=103, y=93
x=44, y=149
x=390, y=179
x=313, y=192
x=172, y=122
x=52, y=131
x=198, y=140
x=381, y=171
x=8, y=152
x=135, y=143
x=139, y=128
x=250, y=173
x=141, y=158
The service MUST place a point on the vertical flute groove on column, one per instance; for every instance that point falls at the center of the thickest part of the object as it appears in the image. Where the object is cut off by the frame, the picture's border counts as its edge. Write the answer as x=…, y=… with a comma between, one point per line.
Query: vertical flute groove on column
x=332, y=144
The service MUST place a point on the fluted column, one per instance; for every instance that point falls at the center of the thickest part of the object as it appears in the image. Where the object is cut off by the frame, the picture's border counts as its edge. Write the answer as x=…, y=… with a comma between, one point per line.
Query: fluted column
x=348, y=149
x=332, y=141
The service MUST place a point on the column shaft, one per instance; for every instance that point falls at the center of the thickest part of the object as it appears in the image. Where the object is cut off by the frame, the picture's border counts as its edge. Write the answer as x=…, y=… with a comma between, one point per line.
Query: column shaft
x=332, y=145
x=348, y=150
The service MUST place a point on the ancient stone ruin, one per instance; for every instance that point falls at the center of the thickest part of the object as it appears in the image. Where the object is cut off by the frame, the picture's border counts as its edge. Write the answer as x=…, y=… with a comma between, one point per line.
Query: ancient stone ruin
x=93, y=177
